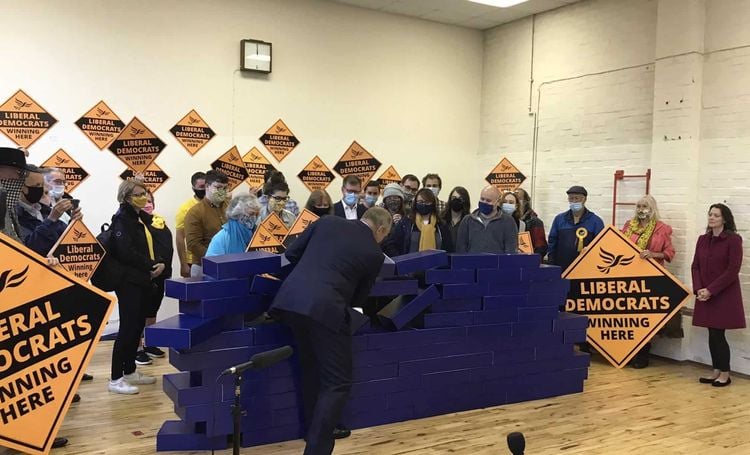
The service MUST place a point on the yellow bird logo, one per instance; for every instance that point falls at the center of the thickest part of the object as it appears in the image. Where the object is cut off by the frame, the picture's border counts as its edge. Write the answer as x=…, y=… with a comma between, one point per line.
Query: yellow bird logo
x=280, y=129
x=101, y=112
x=11, y=281
x=611, y=261
x=192, y=120
x=78, y=235
x=19, y=104
x=60, y=160
x=136, y=131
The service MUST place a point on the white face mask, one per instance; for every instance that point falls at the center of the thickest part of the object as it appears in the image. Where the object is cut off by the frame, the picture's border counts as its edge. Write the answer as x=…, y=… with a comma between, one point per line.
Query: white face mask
x=644, y=214
x=57, y=190
x=435, y=190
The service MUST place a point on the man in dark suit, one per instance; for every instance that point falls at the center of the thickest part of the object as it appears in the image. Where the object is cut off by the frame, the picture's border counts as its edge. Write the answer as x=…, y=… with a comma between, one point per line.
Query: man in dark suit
x=349, y=207
x=336, y=263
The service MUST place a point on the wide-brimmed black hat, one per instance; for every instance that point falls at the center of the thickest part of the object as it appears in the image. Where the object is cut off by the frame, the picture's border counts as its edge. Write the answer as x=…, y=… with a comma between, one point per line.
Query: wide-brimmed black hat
x=13, y=157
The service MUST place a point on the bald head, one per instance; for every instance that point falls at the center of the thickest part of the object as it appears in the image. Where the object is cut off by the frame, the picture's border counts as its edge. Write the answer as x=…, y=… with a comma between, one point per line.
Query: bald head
x=490, y=195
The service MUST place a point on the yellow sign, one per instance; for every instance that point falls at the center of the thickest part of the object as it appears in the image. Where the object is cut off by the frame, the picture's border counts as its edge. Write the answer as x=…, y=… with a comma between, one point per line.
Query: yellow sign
x=153, y=177
x=505, y=176
x=50, y=323
x=279, y=140
x=23, y=120
x=627, y=299
x=231, y=165
x=137, y=146
x=265, y=241
x=192, y=132
x=100, y=125
x=256, y=165
x=524, y=242
x=304, y=220
x=275, y=225
x=316, y=175
x=389, y=176
x=357, y=161
x=74, y=173
x=78, y=251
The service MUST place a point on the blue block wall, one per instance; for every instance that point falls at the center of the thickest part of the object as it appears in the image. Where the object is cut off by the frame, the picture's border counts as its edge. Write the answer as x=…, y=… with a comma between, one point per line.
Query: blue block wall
x=482, y=330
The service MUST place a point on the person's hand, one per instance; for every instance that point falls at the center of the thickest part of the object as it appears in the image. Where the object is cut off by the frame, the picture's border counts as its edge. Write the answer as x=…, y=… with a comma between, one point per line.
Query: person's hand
x=185, y=270
x=58, y=209
x=53, y=261
x=703, y=294
x=76, y=214
x=645, y=254
x=396, y=218
x=157, y=270
x=255, y=189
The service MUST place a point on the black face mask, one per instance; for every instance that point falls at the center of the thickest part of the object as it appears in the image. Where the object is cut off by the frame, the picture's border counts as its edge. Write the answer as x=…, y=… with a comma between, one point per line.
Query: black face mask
x=457, y=204
x=34, y=194
x=393, y=206
x=200, y=194
x=423, y=209
x=321, y=211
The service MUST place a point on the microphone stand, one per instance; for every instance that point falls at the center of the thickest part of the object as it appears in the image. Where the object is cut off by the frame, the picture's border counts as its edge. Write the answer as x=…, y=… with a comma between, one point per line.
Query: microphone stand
x=236, y=414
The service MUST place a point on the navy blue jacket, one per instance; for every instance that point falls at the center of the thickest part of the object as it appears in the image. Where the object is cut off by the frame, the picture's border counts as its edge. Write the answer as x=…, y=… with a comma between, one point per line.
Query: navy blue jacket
x=338, y=210
x=562, y=247
x=399, y=240
x=336, y=263
x=39, y=236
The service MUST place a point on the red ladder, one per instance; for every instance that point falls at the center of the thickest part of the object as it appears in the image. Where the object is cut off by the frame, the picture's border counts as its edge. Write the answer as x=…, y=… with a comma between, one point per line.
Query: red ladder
x=619, y=176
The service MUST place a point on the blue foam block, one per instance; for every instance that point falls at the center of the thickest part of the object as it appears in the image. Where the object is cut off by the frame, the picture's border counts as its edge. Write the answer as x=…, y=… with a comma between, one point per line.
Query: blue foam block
x=403, y=309
x=265, y=285
x=456, y=362
x=225, y=340
x=449, y=319
x=547, y=299
x=560, y=351
x=388, y=269
x=204, y=288
x=519, y=260
x=175, y=435
x=416, y=337
x=498, y=302
x=500, y=316
x=271, y=435
x=386, y=288
x=404, y=353
x=537, y=314
x=507, y=288
x=432, y=381
x=273, y=333
x=532, y=328
x=177, y=387
x=223, y=358
x=241, y=265
x=182, y=331
x=449, y=276
x=560, y=286
x=420, y=261
x=384, y=386
x=512, y=356
x=371, y=373
x=500, y=276
x=212, y=308
x=443, y=306
x=473, y=261
x=544, y=272
x=574, y=336
x=463, y=291
x=571, y=321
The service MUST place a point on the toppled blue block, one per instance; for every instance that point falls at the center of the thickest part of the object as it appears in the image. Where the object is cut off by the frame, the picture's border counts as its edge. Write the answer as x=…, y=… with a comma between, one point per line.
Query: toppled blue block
x=265, y=285
x=537, y=314
x=416, y=337
x=500, y=276
x=451, y=319
x=449, y=276
x=386, y=288
x=212, y=308
x=420, y=261
x=574, y=336
x=241, y=265
x=182, y=331
x=455, y=362
x=196, y=288
x=403, y=309
x=177, y=386
x=463, y=291
x=518, y=260
x=544, y=272
x=498, y=302
x=571, y=321
x=474, y=261
x=445, y=306
x=388, y=269
x=180, y=436
x=220, y=359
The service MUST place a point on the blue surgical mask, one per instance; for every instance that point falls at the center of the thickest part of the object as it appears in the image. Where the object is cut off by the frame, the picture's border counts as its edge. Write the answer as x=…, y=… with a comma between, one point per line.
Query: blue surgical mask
x=485, y=208
x=435, y=190
x=351, y=199
x=371, y=200
x=508, y=208
x=576, y=206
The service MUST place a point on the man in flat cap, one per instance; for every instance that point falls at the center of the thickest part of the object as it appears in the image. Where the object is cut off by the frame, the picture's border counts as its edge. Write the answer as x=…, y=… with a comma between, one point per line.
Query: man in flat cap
x=572, y=230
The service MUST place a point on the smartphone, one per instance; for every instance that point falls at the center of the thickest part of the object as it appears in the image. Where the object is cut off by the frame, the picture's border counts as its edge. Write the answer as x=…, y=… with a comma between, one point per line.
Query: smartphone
x=75, y=202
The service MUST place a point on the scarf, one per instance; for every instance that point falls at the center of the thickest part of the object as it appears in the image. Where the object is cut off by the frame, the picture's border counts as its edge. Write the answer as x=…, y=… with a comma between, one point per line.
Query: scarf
x=238, y=236
x=427, y=231
x=12, y=189
x=644, y=233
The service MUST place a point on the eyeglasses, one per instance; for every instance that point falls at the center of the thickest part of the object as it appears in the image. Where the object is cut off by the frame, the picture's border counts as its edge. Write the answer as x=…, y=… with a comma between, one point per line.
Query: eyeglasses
x=280, y=198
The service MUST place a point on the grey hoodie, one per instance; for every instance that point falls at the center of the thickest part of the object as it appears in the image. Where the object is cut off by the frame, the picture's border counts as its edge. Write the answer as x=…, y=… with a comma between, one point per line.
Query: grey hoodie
x=498, y=235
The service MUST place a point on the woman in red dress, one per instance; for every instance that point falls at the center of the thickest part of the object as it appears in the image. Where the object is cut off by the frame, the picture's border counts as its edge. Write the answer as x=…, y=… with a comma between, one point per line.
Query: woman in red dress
x=716, y=283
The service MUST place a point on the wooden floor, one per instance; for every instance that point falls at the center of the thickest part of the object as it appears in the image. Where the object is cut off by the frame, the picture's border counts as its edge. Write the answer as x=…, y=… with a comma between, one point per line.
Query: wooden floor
x=659, y=410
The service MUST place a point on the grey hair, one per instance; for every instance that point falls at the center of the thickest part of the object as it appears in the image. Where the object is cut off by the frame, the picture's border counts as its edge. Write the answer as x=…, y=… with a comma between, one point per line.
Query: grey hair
x=240, y=205
x=47, y=171
x=126, y=189
x=378, y=217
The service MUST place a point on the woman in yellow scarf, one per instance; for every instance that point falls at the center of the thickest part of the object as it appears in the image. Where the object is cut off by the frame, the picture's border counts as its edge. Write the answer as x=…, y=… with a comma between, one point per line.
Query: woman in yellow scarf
x=421, y=230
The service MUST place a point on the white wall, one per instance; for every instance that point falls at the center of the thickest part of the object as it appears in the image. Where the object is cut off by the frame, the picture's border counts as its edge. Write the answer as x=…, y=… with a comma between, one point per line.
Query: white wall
x=406, y=89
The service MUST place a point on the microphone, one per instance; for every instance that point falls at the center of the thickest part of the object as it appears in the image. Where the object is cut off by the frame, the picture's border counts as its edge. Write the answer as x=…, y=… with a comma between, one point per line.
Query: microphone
x=260, y=360
x=516, y=443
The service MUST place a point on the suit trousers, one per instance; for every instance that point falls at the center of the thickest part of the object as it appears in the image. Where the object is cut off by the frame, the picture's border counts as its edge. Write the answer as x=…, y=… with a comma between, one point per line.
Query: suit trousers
x=326, y=362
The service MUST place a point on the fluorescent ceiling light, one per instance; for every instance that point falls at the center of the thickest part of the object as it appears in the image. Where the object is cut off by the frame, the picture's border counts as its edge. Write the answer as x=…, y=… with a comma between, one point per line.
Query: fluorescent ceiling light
x=500, y=3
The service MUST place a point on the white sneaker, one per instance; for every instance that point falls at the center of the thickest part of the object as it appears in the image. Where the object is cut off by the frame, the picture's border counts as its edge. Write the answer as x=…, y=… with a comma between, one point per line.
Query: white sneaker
x=122, y=386
x=136, y=378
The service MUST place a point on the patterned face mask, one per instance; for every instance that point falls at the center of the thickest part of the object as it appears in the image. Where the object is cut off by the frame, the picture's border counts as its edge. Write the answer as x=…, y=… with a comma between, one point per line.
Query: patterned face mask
x=13, y=188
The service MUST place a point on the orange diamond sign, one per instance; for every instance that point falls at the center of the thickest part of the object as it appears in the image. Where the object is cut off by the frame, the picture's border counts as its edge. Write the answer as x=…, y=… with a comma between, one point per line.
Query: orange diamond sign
x=279, y=140
x=505, y=176
x=389, y=176
x=192, y=132
x=265, y=241
x=316, y=175
x=524, y=243
x=100, y=125
x=357, y=161
x=304, y=220
x=78, y=251
x=23, y=120
x=153, y=177
x=231, y=165
x=256, y=165
x=74, y=173
x=627, y=299
x=137, y=146
x=275, y=225
x=51, y=322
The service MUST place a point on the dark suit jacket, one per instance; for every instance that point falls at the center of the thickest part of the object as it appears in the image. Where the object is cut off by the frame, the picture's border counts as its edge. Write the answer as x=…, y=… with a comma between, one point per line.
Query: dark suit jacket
x=338, y=210
x=336, y=263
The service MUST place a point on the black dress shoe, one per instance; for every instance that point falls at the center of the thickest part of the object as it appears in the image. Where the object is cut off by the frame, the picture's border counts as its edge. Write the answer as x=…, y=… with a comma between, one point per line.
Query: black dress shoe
x=87, y=377
x=639, y=363
x=59, y=442
x=718, y=383
x=76, y=398
x=341, y=433
x=706, y=380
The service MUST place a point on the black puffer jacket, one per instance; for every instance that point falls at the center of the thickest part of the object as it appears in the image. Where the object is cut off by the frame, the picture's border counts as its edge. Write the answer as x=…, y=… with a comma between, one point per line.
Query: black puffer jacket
x=130, y=247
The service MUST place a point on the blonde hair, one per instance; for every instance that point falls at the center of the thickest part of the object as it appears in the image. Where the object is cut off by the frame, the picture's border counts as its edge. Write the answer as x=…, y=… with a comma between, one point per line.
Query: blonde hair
x=126, y=189
x=650, y=202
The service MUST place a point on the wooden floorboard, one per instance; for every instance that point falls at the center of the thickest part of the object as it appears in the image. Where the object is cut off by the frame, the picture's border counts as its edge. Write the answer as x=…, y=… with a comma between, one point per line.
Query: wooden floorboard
x=659, y=410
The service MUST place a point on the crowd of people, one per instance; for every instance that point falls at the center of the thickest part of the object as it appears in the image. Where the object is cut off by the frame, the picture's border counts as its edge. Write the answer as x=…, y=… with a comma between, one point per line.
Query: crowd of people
x=36, y=212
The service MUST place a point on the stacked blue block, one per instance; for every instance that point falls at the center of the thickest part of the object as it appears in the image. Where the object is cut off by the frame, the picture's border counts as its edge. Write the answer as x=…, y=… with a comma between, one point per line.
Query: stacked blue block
x=459, y=332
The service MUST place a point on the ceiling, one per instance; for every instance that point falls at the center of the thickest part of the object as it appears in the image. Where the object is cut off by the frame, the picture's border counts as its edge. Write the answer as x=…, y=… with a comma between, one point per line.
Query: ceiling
x=459, y=12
